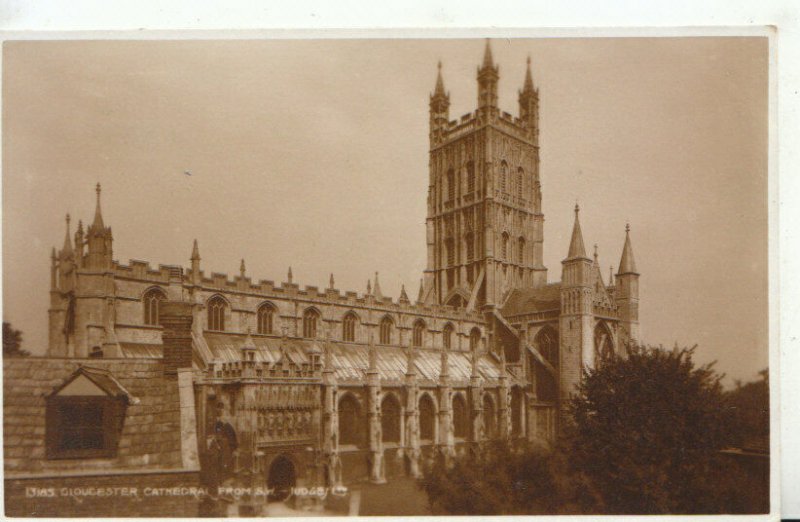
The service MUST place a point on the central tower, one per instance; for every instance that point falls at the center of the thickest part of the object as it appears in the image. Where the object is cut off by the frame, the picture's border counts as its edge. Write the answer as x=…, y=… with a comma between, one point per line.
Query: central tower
x=484, y=224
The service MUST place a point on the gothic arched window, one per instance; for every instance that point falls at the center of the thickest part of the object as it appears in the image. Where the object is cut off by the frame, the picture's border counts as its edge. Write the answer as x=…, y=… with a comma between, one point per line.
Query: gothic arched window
x=521, y=250
x=489, y=417
x=152, y=299
x=427, y=415
x=265, y=315
x=349, y=327
x=447, y=336
x=474, y=339
x=351, y=422
x=216, y=313
x=451, y=185
x=520, y=176
x=386, y=330
x=390, y=419
x=470, y=177
x=419, y=333
x=460, y=417
x=504, y=246
x=603, y=343
x=310, y=320
x=546, y=341
x=469, y=239
x=503, y=175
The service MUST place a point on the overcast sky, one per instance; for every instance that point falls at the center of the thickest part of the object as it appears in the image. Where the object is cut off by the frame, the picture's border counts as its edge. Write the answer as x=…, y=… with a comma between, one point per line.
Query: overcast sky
x=313, y=153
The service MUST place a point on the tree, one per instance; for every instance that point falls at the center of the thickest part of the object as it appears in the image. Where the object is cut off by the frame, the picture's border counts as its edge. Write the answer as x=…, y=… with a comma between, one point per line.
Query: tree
x=12, y=342
x=647, y=430
x=499, y=479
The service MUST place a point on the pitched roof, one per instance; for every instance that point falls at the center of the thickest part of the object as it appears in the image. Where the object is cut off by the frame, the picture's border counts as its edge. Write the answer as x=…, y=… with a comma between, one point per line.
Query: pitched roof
x=530, y=300
x=103, y=379
x=350, y=361
x=150, y=437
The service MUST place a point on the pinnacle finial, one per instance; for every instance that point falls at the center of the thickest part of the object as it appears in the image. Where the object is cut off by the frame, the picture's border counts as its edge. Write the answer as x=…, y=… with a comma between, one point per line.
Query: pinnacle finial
x=195, y=252
x=98, y=225
x=439, y=89
x=595, y=251
x=611, y=275
x=330, y=282
x=241, y=268
x=627, y=264
x=528, y=86
x=488, y=61
x=67, y=240
x=627, y=227
x=576, y=248
x=289, y=275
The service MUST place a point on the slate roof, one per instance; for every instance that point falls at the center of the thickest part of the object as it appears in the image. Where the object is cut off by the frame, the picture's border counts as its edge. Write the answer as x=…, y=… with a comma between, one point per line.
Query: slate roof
x=529, y=300
x=150, y=437
x=351, y=361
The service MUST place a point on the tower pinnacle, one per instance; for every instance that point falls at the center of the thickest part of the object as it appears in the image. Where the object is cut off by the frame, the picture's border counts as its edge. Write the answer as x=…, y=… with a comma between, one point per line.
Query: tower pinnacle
x=576, y=248
x=195, y=252
x=488, y=61
x=98, y=225
x=67, y=250
x=627, y=264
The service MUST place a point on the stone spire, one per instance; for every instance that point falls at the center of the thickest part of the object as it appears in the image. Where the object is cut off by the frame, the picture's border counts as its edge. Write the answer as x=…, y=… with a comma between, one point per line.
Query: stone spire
x=67, y=250
x=595, y=255
x=611, y=275
x=289, y=275
x=528, y=86
x=439, y=90
x=241, y=269
x=576, y=248
x=488, y=61
x=421, y=294
x=97, y=224
x=627, y=265
x=369, y=287
x=195, y=252
x=488, y=75
x=377, y=288
x=330, y=282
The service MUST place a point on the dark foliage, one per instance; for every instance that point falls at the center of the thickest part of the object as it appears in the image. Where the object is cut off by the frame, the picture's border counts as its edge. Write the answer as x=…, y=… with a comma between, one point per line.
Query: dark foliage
x=643, y=435
x=12, y=342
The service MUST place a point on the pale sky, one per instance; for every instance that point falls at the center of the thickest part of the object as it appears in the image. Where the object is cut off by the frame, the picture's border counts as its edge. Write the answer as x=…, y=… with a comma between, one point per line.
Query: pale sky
x=313, y=153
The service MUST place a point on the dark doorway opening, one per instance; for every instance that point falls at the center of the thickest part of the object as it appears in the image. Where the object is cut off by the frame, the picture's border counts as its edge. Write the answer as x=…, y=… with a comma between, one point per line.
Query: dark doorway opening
x=282, y=478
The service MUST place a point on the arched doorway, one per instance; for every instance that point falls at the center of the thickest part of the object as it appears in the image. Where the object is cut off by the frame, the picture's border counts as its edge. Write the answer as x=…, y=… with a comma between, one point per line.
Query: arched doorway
x=281, y=479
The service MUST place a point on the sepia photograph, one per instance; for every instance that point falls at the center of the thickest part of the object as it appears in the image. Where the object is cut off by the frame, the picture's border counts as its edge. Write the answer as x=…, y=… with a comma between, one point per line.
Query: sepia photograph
x=386, y=276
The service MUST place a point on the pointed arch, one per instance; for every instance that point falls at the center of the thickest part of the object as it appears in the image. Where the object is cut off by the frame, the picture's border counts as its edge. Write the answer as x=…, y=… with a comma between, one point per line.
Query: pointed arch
x=503, y=175
x=265, y=318
x=418, y=334
x=460, y=416
x=216, y=307
x=547, y=342
x=151, y=299
x=489, y=417
x=390, y=418
x=427, y=418
x=352, y=423
x=311, y=319
x=603, y=342
x=504, y=246
x=474, y=339
x=386, y=329
x=447, y=336
x=521, y=250
x=349, y=323
x=520, y=177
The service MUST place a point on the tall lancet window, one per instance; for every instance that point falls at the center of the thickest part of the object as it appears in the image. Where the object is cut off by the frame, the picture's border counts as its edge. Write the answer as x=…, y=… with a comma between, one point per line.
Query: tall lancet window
x=451, y=185
x=419, y=333
x=152, y=299
x=349, y=327
x=470, y=177
x=520, y=177
x=266, y=313
x=503, y=176
x=447, y=336
x=216, y=313
x=470, y=240
x=386, y=330
x=504, y=246
x=310, y=320
x=521, y=250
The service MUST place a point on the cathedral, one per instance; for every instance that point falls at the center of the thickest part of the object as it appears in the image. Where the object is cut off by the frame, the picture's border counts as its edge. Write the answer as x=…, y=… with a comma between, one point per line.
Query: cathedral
x=308, y=385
